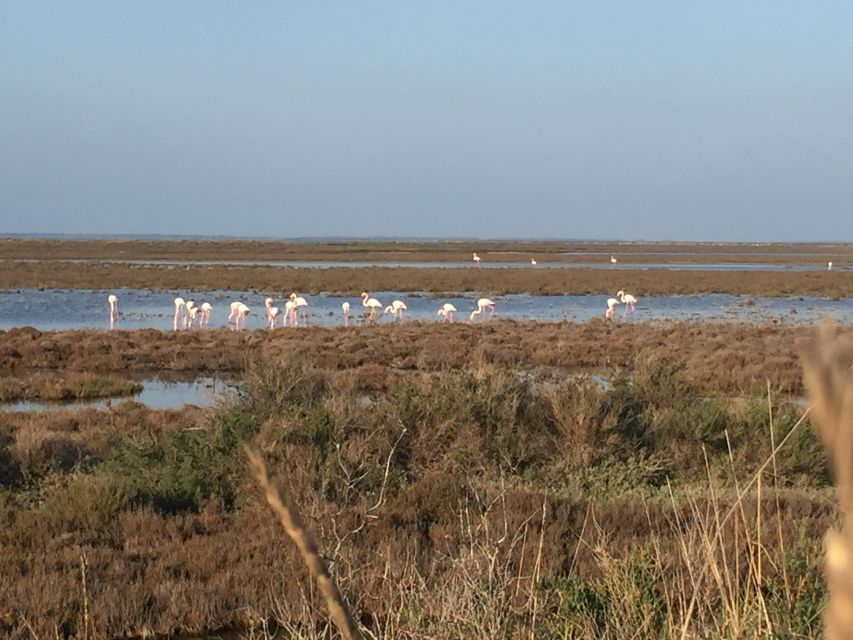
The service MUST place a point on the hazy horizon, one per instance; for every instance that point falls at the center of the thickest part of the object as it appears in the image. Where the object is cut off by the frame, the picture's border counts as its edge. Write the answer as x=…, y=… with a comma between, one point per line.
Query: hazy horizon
x=659, y=121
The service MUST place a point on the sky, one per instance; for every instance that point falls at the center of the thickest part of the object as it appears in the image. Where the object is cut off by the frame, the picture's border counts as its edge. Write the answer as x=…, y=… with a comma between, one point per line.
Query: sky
x=653, y=120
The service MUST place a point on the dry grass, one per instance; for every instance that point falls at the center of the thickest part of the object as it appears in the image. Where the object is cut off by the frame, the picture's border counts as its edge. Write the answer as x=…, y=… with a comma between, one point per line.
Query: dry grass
x=829, y=378
x=351, y=281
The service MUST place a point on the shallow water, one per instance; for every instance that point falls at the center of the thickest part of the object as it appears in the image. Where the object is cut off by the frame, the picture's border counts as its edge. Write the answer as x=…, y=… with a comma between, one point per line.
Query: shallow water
x=155, y=394
x=486, y=264
x=87, y=309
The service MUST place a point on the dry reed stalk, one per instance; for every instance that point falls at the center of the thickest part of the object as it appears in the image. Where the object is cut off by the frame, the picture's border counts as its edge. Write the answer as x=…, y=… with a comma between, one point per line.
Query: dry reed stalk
x=292, y=523
x=828, y=374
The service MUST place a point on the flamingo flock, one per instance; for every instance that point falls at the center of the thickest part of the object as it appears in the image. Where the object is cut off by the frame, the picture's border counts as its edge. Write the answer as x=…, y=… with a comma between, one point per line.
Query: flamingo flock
x=189, y=315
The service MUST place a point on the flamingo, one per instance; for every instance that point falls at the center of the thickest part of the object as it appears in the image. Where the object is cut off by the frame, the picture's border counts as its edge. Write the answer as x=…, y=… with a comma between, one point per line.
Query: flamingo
x=345, y=309
x=238, y=311
x=476, y=259
x=397, y=307
x=447, y=311
x=191, y=311
x=483, y=303
x=628, y=300
x=299, y=301
x=611, y=305
x=112, y=301
x=272, y=314
x=613, y=260
x=268, y=305
x=371, y=303
x=533, y=261
x=290, y=312
x=829, y=266
x=180, y=305
x=205, y=314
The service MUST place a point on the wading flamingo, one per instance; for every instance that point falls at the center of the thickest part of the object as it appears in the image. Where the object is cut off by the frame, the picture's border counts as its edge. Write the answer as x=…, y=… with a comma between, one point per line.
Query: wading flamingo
x=272, y=314
x=447, y=312
x=191, y=311
x=238, y=312
x=533, y=261
x=180, y=306
x=205, y=314
x=345, y=309
x=112, y=301
x=268, y=305
x=476, y=259
x=397, y=307
x=299, y=301
x=611, y=305
x=628, y=300
x=371, y=303
x=613, y=260
x=483, y=303
x=290, y=313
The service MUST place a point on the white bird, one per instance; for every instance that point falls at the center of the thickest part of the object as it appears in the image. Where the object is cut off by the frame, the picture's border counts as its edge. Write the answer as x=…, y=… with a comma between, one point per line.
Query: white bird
x=191, y=311
x=238, y=312
x=371, y=303
x=290, y=313
x=829, y=266
x=299, y=301
x=345, y=308
x=396, y=307
x=483, y=303
x=205, y=314
x=533, y=261
x=613, y=260
x=447, y=311
x=112, y=301
x=611, y=305
x=180, y=306
x=268, y=304
x=476, y=259
x=272, y=314
x=628, y=300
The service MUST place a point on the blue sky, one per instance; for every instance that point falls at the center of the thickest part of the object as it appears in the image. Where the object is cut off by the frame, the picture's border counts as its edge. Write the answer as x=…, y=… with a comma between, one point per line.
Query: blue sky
x=624, y=120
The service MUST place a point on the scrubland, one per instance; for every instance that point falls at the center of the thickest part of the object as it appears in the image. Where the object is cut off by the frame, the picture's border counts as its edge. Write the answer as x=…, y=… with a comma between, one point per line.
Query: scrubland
x=461, y=481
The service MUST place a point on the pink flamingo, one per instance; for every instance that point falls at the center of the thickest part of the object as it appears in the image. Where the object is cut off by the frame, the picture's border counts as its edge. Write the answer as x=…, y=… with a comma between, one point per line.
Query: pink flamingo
x=290, y=313
x=611, y=305
x=482, y=304
x=300, y=302
x=476, y=259
x=268, y=305
x=396, y=307
x=447, y=312
x=239, y=311
x=191, y=311
x=112, y=301
x=180, y=306
x=371, y=303
x=346, y=307
x=205, y=314
x=272, y=314
x=628, y=300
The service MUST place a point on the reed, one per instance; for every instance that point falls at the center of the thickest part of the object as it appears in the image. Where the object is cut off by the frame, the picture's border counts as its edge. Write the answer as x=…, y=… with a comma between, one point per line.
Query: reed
x=828, y=370
x=293, y=526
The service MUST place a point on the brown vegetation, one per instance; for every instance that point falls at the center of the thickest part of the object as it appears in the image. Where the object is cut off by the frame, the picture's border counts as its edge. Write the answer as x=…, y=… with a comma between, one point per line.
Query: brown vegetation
x=73, y=386
x=718, y=357
x=341, y=280
x=462, y=501
x=389, y=251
